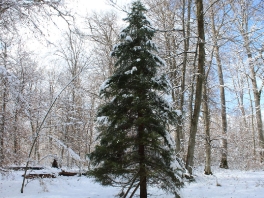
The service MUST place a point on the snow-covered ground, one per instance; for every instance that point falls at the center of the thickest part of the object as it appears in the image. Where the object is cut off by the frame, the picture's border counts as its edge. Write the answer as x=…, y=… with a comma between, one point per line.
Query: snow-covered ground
x=231, y=184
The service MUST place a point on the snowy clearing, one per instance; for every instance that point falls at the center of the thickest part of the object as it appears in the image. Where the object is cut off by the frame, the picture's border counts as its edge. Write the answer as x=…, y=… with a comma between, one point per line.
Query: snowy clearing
x=233, y=184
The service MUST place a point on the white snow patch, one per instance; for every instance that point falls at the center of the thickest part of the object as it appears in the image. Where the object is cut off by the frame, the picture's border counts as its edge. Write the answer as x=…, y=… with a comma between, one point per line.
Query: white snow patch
x=148, y=28
x=151, y=44
x=102, y=120
x=131, y=71
x=104, y=85
x=160, y=60
x=127, y=95
x=179, y=113
x=170, y=139
x=129, y=39
x=137, y=48
x=122, y=34
x=115, y=46
x=3, y=70
x=178, y=27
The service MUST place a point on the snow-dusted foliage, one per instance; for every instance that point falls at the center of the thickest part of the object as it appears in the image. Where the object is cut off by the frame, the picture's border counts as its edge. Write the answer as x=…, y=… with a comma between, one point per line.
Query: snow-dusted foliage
x=17, y=13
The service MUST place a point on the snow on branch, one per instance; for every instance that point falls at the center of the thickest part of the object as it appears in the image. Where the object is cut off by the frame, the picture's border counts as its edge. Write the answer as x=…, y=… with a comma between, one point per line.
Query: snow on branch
x=72, y=153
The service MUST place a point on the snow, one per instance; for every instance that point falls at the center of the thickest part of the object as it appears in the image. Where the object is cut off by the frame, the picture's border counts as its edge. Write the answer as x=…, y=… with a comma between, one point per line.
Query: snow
x=122, y=34
x=232, y=183
x=102, y=120
x=160, y=60
x=71, y=152
x=179, y=113
x=131, y=71
x=128, y=38
x=127, y=96
x=3, y=70
x=178, y=27
x=148, y=28
x=104, y=85
x=170, y=139
x=151, y=44
x=137, y=48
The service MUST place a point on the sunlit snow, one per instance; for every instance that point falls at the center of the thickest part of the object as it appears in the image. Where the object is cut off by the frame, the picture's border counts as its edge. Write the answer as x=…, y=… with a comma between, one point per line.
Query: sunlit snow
x=223, y=184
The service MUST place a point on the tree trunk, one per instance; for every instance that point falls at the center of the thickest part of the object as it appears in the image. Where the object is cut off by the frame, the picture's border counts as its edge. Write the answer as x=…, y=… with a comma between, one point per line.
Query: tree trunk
x=223, y=163
x=142, y=167
x=186, y=35
x=206, y=115
x=2, y=125
x=16, y=144
x=3, y=109
x=243, y=26
x=252, y=121
x=199, y=86
x=240, y=101
x=257, y=94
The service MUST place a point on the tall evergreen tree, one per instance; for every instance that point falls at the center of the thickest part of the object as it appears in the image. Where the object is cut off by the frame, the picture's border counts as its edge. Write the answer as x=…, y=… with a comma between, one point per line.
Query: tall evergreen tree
x=135, y=147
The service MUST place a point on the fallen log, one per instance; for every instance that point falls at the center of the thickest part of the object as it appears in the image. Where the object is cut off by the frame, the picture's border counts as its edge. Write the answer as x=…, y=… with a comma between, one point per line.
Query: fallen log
x=23, y=168
x=64, y=173
x=41, y=175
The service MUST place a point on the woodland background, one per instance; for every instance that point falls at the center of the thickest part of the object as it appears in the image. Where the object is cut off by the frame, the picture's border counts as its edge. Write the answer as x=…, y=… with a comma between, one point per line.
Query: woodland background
x=36, y=64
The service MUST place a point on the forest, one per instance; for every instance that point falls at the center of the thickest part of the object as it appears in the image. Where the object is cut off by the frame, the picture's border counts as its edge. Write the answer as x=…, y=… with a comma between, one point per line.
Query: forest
x=55, y=61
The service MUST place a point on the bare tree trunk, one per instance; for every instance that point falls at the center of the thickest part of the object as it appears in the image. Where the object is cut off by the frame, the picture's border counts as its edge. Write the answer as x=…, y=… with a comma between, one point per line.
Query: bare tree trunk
x=243, y=23
x=186, y=35
x=206, y=115
x=223, y=163
x=252, y=121
x=256, y=90
x=199, y=86
x=240, y=101
x=3, y=109
x=257, y=94
x=2, y=124
x=16, y=146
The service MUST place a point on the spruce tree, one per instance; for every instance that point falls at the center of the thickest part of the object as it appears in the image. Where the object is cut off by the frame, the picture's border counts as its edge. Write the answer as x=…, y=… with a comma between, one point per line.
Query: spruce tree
x=135, y=147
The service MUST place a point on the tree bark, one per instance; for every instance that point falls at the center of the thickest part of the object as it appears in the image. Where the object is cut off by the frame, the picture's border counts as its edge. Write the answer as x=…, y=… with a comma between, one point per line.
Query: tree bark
x=256, y=91
x=223, y=163
x=2, y=124
x=257, y=94
x=206, y=115
x=142, y=167
x=3, y=109
x=199, y=86
x=186, y=35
